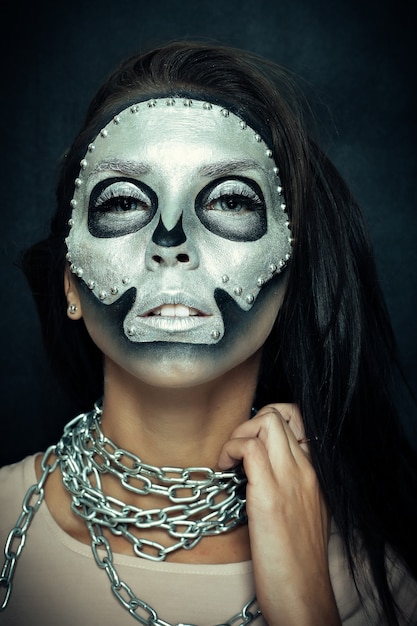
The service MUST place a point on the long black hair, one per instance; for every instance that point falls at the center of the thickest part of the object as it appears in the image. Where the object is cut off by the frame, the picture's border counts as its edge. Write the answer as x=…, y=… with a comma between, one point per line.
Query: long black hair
x=332, y=349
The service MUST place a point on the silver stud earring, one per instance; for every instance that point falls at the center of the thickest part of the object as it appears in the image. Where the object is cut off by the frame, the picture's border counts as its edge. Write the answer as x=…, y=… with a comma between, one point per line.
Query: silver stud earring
x=72, y=309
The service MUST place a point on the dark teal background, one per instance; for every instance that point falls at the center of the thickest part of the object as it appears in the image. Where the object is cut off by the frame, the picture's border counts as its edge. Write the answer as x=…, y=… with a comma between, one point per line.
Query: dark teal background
x=357, y=58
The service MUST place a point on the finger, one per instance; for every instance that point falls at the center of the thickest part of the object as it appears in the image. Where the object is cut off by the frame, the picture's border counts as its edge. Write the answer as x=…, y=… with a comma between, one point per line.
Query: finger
x=249, y=450
x=269, y=429
x=292, y=416
x=266, y=420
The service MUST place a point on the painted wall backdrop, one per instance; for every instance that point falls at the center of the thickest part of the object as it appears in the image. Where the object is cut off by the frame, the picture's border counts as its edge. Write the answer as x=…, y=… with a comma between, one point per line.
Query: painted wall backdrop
x=356, y=56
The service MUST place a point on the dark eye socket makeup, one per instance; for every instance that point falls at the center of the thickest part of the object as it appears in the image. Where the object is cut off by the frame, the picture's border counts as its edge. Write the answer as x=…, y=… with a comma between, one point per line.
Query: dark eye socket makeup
x=120, y=206
x=233, y=208
x=230, y=207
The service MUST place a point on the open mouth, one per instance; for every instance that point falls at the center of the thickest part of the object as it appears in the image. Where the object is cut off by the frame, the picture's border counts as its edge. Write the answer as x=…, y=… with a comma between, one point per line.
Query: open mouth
x=174, y=316
x=188, y=320
x=174, y=310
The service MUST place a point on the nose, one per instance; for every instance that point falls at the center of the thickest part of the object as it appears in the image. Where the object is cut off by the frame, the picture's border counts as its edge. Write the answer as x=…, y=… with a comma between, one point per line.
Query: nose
x=169, y=248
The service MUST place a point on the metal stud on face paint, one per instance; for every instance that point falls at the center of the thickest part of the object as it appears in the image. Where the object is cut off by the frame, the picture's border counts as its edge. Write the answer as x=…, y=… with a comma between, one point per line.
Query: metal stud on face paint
x=215, y=334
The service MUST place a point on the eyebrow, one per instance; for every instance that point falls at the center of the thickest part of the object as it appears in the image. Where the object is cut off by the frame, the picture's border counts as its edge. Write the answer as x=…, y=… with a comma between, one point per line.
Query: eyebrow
x=222, y=168
x=130, y=168
x=137, y=168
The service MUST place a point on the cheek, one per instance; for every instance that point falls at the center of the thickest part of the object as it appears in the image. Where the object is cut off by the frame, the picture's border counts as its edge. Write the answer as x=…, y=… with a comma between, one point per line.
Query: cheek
x=108, y=266
x=247, y=331
x=244, y=270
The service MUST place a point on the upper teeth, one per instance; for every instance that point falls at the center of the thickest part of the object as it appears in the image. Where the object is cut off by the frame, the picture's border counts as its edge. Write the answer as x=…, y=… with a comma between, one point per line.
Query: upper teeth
x=174, y=310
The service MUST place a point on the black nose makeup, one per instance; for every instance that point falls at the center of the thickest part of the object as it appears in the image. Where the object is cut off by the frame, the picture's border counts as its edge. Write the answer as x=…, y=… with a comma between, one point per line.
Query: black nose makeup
x=169, y=238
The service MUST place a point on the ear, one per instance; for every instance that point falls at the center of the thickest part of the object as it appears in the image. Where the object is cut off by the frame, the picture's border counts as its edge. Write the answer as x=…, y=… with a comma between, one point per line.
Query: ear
x=74, y=310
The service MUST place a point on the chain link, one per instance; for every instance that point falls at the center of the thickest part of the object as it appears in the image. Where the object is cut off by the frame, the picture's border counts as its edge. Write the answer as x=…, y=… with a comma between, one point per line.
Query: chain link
x=17, y=536
x=200, y=479
x=218, y=498
x=140, y=610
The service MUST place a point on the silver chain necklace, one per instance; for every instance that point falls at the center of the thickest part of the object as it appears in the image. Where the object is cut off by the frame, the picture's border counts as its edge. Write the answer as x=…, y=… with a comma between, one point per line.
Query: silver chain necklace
x=83, y=454
x=217, y=498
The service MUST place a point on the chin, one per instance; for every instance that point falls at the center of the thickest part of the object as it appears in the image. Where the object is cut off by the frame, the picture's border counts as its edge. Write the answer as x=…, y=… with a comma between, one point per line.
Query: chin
x=179, y=366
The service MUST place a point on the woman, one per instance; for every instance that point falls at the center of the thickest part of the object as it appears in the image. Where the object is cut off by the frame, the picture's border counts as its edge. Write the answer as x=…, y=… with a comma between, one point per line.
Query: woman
x=215, y=268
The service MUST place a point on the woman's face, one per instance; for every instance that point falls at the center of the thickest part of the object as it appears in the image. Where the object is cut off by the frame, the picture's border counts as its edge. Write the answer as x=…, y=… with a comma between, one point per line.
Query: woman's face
x=178, y=236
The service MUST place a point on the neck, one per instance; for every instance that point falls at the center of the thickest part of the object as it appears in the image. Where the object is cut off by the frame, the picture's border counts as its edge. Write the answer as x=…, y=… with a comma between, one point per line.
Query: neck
x=177, y=427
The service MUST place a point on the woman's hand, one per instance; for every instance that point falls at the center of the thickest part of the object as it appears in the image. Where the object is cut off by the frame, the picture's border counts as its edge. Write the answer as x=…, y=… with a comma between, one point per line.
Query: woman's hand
x=287, y=518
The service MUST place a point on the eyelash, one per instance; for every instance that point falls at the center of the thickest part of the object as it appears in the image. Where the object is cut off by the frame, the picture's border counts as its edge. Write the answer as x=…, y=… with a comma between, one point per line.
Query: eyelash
x=111, y=197
x=236, y=193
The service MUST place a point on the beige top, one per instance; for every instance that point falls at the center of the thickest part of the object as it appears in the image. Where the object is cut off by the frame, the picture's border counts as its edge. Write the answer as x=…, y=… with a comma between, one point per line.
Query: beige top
x=57, y=580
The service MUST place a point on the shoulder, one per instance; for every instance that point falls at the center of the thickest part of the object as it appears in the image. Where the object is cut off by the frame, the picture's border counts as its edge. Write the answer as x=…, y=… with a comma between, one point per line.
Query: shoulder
x=403, y=586
x=356, y=608
x=15, y=480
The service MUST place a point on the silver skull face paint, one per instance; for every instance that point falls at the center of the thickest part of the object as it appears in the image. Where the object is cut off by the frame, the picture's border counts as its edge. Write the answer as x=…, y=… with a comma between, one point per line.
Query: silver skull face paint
x=177, y=201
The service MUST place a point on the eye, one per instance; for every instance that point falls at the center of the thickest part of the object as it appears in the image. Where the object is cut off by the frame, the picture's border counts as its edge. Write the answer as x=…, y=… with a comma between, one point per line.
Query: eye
x=120, y=206
x=235, y=197
x=233, y=208
x=121, y=200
